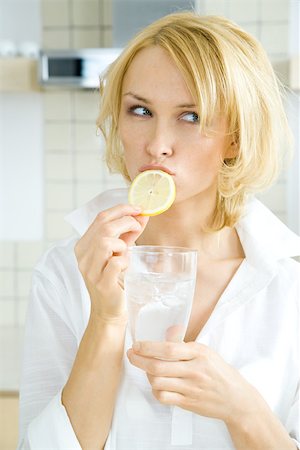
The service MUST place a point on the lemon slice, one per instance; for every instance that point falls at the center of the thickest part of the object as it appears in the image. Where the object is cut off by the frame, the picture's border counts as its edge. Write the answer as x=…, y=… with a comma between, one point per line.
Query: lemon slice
x=153, y=190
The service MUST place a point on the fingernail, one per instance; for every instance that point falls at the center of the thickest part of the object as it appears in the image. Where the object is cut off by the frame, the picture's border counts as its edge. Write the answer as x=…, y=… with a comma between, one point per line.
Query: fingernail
x=136, y=346
x=137, y=208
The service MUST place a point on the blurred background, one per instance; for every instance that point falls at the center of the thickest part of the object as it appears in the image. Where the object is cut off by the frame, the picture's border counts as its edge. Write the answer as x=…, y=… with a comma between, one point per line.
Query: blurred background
x=51, y=160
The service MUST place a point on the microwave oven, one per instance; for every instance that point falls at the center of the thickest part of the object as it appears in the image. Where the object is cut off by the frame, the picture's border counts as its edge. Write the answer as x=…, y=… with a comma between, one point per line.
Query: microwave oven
x=75, y=68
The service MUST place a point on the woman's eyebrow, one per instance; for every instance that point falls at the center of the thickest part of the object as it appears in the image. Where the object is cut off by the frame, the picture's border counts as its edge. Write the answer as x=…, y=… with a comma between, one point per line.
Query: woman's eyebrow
x=144, y=100
x=187, y=105
x=138, y=97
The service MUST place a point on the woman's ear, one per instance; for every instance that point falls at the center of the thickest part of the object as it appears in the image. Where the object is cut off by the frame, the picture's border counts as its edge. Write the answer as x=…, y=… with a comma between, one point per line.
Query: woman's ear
x=232, y=150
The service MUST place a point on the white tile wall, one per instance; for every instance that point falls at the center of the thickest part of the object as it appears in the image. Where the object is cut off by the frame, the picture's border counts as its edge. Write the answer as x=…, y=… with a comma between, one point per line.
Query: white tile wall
x=8, y=310
x=85, y=137
x=217, y=7
x=56, y=38
x=27, y=254
x=88, y=168
x=86, y=38
x=57, y=106
x=7, y=259
x=56, y=227
x=59, y=167
x=57, y=136
x=85, y=13
x=56, y=13
x=106, y=37
x=114, y=181
x=7, y=283
x=86, y=191
x=73, y=165
x=106, y=13
x=59, y=196
x=252, y=28
x=23, y=283
x=274, y=37
x=244, y=11
x=21, y=310
x=275, y=198
x=86, y=106
x=274, y=10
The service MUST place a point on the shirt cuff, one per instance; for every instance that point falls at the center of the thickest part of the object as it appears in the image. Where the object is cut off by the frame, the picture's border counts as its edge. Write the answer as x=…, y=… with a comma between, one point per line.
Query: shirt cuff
x=296, y=442
x=52, y=429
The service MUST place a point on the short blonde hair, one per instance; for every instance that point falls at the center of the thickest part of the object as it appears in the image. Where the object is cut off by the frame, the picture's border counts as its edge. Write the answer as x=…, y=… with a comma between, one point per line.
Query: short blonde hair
x=227, y=71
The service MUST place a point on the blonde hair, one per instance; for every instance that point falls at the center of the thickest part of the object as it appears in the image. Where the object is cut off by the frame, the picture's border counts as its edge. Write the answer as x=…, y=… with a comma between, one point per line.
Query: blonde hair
x=227, y=71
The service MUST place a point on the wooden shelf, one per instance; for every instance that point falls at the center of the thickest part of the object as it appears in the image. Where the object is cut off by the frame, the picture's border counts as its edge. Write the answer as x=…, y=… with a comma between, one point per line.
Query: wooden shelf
x=18, y=75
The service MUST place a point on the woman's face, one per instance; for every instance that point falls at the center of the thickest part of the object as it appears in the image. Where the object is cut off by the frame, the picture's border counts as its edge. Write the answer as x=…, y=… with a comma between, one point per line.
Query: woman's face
x=159, y=126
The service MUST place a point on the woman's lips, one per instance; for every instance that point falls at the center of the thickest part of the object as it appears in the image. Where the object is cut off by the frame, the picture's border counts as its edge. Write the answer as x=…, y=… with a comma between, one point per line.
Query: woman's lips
x=156, y=167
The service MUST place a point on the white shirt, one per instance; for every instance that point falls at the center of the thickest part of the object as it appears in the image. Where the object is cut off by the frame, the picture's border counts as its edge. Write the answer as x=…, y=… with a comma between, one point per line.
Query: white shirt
x=254, y=327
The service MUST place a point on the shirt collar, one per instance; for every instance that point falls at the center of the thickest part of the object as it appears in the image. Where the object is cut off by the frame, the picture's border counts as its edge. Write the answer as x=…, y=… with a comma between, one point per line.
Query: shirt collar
x=80, y=219
x=263, y=236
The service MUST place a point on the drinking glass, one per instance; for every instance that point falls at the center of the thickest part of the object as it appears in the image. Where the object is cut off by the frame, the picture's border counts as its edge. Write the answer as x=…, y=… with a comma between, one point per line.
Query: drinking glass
x=159, y=289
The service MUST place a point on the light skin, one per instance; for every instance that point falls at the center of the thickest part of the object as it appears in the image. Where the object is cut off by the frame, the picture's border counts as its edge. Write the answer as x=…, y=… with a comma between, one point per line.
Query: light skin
x=158, y=125
x=154, y=128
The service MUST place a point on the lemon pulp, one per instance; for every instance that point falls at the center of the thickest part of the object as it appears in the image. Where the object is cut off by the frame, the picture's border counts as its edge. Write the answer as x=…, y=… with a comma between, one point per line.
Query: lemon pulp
x=153, y=191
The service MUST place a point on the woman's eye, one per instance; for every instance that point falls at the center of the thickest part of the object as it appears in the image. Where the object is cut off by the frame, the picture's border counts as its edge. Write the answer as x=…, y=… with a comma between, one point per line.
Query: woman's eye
x=140, y=111
x=191, y=117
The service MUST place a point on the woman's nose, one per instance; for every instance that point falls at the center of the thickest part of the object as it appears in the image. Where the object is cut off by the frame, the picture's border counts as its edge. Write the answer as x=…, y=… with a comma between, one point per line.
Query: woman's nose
x=160, y=144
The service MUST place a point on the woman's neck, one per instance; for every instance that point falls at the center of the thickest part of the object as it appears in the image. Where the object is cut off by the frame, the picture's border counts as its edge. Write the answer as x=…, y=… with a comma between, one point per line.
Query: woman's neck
x=185, y=225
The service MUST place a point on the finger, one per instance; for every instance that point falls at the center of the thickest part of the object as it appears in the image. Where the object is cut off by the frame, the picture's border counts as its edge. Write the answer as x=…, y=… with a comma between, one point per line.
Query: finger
x=170, y=384
x=91, y=261
x=109, y=215
x=143, y=220
x=115, y=266
x=132, y=236
x=118, y=227
x=170, y=398
x=110, y=245
x=175, y=333
x=171, y=351
x=107, y=282
x=158, y=367
x=117, y=212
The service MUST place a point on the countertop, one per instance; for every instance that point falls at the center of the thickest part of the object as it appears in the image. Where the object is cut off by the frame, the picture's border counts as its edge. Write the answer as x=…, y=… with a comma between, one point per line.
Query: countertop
x=11, y=343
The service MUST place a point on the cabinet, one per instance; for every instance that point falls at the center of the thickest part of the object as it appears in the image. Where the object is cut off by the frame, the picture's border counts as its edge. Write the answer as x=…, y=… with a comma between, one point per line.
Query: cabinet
x=130, y=16
x=9, y=404
x=18, y=75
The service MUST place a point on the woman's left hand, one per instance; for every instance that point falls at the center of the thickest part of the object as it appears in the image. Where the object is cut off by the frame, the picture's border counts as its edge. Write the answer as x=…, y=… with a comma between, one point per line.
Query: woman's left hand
x=194, y=377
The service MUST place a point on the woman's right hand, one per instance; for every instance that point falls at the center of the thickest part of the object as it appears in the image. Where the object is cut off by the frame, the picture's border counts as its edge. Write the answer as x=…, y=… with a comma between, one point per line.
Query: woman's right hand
x=102, y=258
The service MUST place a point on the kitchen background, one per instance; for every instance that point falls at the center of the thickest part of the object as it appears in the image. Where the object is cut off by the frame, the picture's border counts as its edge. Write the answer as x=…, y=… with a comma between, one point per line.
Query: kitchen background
x=51, y=159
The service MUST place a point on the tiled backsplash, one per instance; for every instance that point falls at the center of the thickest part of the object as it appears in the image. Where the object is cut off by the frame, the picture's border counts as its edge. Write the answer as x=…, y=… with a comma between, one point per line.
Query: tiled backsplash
x=74, y=170
x=76, y=23
x=74, y=167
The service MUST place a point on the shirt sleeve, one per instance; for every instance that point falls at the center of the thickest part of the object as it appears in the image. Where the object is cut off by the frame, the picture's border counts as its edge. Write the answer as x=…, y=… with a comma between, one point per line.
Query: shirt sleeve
x=50, y=347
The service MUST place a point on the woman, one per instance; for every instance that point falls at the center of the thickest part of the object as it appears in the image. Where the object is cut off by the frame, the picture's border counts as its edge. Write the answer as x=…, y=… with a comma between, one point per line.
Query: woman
x=197, y=97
